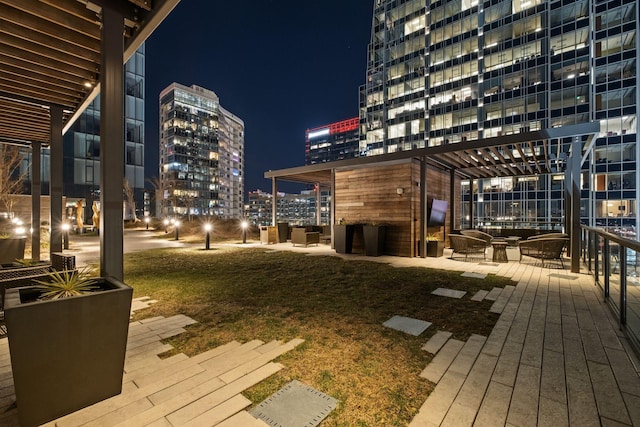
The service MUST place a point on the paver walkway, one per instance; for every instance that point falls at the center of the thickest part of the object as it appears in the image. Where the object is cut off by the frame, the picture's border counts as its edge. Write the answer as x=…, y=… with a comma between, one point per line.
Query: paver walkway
x=176, y=391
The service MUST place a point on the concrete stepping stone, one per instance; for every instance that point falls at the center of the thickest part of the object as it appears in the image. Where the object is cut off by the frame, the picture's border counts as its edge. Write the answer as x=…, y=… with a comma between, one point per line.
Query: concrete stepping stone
x=451, y=293
x=436, y=342
x=408, y=325
x=296, y=404
x=493, y=294
x=474, y=275
x=480, y=295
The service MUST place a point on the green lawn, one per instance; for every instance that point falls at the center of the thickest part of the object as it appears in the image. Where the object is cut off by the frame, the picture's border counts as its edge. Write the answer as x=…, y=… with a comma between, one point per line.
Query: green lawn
x=336, y=306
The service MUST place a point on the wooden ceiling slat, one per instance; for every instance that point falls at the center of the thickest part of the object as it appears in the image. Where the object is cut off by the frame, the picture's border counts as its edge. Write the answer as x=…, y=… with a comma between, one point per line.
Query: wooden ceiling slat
x=55, y=16
x=546, y=155
x=67, y=80
x=21, y=81
x=35, y=24
x=36, y=77
x=505, y=163
x=535, y=158
x=54, y=64
x=457, y=161
x=48, y=41
x=46, y=52
x=44, y=97
x=509, y=151
x=13, y=108
x=524, y=159
x=77, y=9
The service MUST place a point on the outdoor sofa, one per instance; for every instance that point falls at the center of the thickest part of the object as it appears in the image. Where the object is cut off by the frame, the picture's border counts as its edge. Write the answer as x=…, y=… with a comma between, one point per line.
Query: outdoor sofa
x=467, y=245
x=544, y=248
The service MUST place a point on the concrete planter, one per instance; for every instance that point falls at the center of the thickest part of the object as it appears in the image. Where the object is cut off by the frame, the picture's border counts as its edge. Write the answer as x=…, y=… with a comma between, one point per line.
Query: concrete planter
x=11, y=249
x=343, y=236
x=435, y=248
x=374, y=236
x=66, y=354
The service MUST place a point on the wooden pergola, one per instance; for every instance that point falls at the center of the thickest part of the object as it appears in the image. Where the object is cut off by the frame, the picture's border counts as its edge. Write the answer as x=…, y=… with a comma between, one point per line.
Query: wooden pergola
x=56, y=56
x=554, y=150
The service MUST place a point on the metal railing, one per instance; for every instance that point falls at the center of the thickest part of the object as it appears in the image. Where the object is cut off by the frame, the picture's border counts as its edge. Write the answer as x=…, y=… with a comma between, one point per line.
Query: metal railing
x=614, y=263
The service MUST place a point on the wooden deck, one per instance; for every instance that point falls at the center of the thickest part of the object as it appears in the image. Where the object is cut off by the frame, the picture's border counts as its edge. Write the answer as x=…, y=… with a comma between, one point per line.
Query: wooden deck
x=555, y=357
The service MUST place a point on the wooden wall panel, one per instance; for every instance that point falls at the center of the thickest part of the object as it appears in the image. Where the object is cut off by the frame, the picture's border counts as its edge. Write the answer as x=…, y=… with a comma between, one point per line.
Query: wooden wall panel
x=370, y=194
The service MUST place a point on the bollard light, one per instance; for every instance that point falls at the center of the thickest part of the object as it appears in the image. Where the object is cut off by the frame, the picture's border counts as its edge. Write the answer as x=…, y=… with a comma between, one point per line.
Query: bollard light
x=207, y=236
x=147, y=220
x=166, y=225
x=176, y=226
x=65, y=235
x=244, y=226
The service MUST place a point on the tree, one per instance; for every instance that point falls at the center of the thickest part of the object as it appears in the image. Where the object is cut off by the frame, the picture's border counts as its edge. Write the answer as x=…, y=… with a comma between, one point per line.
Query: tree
x=158, y=193
x=129, y=199
x=11, y=177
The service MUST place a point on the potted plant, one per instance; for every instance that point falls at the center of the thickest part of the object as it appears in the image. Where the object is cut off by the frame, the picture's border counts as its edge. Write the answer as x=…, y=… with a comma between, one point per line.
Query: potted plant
x=374, y=235
x=435, y=246
x=68, y=337
x=343, y=236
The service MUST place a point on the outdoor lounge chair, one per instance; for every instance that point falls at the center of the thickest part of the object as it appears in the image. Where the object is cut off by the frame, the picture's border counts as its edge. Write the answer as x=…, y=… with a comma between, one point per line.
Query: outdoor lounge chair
x=300, y=236
x=478, y=235
x=461, y=244
x=547, y=248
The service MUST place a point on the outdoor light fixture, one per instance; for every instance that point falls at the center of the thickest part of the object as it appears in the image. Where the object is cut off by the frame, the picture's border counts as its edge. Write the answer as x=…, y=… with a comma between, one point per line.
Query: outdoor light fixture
x=400, y=191
x=166, y=225
x=244, y=225
x=176, y=225
x=207, y=236
x=65, y=235
x=147, y=220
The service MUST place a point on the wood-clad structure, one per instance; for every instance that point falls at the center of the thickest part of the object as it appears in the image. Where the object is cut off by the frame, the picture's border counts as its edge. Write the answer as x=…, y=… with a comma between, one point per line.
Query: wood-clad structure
x=390, y=195
x=367, y=189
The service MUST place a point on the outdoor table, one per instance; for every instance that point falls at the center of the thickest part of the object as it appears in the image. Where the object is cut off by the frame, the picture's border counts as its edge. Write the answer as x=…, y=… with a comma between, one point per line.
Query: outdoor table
x=499, y=251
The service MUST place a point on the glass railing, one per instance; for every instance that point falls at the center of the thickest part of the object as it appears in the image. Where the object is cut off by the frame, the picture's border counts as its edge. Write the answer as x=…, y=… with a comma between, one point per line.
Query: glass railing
x=614, y=263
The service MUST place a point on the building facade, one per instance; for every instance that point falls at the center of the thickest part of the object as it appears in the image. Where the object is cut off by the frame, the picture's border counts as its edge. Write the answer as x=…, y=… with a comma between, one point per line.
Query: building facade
x=335, y=141
x=81, y=152
x=444, y=72
x=201, y=154
x=294, y=209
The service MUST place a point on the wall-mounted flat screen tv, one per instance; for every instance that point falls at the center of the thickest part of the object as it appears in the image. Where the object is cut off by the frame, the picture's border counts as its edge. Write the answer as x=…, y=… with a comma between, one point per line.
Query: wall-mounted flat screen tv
x=438, y=213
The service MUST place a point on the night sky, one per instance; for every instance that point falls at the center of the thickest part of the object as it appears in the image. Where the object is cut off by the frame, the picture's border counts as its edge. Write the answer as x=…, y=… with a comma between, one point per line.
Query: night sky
x=282, y=66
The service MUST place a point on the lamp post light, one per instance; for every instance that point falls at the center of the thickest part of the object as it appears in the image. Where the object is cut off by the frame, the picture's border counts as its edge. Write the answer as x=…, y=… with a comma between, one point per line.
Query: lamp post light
x=176, y=226
x=65, y=235
x=166, y=225
x=244, y=226
x=147, y=220
x=207, y=236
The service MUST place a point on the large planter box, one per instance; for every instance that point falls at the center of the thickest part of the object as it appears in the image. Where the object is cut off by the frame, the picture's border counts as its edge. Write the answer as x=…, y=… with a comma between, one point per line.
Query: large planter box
x=11, y=249
x=435, y=248
x=343, y=236
x=68, y=353
x=374, y=236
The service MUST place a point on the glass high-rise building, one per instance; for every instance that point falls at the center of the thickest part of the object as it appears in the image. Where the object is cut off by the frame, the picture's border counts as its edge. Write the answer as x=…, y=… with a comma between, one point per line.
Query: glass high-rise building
x=444, y=72
x=201, y=154
x=335, y=141
x=81, y=152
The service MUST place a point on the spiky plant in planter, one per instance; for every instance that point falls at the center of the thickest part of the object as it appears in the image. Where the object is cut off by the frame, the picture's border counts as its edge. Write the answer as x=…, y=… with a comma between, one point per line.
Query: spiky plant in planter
x=67, y=283
x=67, y=316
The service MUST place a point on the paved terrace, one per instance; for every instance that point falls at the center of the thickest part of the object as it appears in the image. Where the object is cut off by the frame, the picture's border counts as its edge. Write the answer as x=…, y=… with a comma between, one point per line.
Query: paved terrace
x=555, y=357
